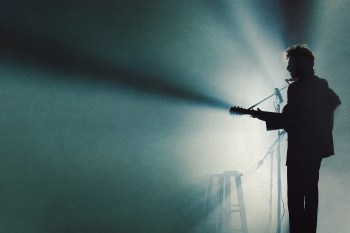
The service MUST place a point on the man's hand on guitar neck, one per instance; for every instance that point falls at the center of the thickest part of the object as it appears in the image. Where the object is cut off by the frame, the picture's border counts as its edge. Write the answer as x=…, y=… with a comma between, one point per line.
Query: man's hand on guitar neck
x=259, y=114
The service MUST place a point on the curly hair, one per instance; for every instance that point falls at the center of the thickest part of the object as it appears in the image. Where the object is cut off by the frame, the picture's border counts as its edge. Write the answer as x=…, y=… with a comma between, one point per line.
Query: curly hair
x=299, y=50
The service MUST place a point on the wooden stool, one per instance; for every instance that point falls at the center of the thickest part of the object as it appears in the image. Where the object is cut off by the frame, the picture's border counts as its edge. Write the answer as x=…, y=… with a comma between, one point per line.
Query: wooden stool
x=219, y=207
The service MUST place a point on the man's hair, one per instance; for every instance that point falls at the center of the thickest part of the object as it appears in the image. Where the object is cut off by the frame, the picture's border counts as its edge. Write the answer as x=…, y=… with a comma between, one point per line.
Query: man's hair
x=299, y=50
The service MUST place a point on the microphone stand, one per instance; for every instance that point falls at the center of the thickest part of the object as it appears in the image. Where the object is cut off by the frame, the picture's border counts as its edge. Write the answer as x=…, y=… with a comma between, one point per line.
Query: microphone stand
x=274, y=94
x=280, y=135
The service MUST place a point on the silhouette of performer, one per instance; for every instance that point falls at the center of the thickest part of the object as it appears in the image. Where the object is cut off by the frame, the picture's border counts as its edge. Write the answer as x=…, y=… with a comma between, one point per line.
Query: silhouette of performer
x=308, y=119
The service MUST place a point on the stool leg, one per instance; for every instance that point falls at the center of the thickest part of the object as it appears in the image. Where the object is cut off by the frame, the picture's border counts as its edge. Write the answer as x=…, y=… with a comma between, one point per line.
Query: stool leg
x=208, y=207
x=228, y=202
x=208, y=203
x=241, y=204
x=220, y=203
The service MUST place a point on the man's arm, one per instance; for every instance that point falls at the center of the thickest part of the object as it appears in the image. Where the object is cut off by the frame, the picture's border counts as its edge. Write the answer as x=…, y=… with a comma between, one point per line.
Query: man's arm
x=273, y=120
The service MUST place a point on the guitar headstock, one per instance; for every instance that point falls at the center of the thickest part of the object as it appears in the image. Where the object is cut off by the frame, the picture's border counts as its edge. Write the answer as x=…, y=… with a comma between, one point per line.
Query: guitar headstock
x=239, y=111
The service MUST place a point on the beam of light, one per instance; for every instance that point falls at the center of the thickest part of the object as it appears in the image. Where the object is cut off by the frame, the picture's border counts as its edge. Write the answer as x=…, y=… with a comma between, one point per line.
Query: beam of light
x=244, y=142
x=266, y=48
x=228, y=151
x=258, y=56
x=51, y=54
x=236, y=144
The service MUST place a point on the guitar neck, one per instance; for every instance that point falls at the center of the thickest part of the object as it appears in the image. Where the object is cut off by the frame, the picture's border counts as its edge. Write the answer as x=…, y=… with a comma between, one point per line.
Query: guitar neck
x=238, y=111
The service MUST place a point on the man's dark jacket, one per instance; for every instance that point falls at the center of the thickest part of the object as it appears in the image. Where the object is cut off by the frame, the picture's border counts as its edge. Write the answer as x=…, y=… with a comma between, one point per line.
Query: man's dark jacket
x=308, y=118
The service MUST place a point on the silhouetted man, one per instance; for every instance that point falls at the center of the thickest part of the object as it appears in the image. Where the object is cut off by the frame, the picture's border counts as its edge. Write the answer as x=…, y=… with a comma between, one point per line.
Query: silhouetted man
x=308, y=119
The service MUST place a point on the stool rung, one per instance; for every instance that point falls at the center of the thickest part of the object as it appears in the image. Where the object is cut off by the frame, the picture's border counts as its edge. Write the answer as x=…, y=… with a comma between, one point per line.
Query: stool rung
x=235, y=210
x=237, y=229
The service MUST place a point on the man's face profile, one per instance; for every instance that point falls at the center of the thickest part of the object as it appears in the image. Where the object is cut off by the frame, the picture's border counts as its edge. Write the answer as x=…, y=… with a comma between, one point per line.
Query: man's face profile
x=298, y=67
x=292, y=68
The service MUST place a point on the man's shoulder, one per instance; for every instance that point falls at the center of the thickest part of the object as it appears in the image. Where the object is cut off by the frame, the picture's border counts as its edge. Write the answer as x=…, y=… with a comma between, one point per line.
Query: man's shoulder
x=316, y=81
x=321, y=81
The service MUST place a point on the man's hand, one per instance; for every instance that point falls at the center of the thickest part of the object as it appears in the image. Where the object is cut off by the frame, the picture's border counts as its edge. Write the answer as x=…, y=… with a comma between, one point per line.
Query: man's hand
x=259, y=114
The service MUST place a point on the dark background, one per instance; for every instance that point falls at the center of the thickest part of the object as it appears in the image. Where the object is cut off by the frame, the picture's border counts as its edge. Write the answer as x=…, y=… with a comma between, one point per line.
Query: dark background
x=113, y=112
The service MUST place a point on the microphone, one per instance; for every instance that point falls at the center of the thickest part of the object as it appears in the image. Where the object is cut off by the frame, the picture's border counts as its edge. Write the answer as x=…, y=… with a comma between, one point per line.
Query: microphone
x=278, y=95
x=289, y=80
